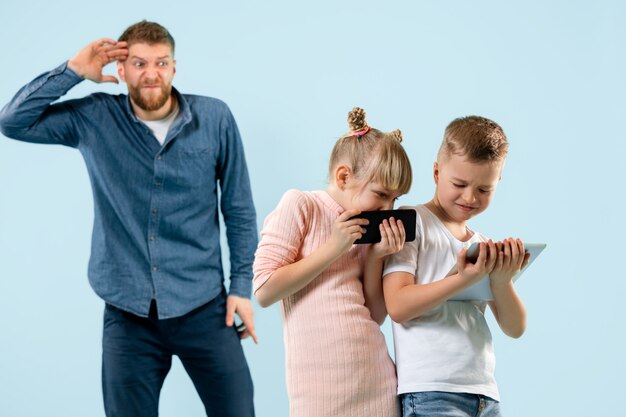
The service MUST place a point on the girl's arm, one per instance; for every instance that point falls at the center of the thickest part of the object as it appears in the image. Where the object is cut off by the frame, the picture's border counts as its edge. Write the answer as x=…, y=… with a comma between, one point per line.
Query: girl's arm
x=289, y=279
x=506, y=306
x=406, y=300
x=393, y=236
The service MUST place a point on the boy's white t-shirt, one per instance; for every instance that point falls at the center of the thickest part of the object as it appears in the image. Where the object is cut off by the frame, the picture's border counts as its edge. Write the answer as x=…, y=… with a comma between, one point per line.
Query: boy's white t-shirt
x=449, y=348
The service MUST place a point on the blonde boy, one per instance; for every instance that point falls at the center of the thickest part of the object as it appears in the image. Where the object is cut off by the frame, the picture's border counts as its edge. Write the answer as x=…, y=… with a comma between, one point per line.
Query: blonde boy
x=444, y=354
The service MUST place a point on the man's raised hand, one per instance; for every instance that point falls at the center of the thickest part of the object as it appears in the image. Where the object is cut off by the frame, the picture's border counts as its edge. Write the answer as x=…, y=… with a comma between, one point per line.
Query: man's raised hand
x=89, y=61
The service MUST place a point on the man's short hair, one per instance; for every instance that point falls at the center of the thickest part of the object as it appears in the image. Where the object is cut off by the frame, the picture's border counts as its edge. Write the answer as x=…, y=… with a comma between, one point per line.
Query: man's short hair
x=147, y=32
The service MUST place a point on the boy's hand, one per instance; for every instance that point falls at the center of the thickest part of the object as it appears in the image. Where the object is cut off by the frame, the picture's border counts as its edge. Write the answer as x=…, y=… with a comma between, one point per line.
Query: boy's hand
x=392, y=235
x=89, y=61
x=473, y=272
x=511, y=259
x=346, y=231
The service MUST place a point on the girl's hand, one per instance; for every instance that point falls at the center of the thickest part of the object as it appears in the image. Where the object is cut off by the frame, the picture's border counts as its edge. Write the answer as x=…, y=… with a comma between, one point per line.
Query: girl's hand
x=346, y=231
x=392, y=235
x=487, y=256
x=511, y=259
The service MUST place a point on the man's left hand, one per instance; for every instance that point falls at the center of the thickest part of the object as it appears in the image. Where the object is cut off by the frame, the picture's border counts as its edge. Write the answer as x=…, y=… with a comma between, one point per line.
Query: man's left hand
x=243, y=308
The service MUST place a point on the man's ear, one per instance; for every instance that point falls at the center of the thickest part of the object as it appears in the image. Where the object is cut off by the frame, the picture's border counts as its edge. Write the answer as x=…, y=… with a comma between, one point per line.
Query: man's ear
x=343, y=173
x=120, y=71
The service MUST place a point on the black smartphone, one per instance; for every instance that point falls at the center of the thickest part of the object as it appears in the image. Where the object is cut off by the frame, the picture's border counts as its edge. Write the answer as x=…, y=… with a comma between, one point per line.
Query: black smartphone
x=372, y=231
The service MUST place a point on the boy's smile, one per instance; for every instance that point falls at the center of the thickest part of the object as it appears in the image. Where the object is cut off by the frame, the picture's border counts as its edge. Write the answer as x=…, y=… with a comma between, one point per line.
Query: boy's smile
x=464, y=188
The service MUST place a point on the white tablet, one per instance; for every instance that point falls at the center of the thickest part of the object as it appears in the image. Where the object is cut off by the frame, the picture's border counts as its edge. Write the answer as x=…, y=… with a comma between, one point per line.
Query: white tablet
x=481, y=291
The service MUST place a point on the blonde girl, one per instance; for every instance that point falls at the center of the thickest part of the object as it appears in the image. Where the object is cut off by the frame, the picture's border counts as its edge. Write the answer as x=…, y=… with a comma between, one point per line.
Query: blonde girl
x=330, y=289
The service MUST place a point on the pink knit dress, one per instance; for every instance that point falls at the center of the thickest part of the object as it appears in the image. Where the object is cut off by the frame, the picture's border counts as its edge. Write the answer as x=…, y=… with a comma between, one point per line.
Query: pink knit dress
x=336, y=357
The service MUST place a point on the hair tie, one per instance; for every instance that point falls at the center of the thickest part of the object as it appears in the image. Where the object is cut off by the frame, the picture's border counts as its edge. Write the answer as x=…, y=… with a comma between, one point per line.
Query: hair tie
x=360, y=133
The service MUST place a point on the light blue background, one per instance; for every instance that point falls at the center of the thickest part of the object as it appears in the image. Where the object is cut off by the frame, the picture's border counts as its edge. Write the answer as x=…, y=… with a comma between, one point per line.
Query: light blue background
x=552, y=73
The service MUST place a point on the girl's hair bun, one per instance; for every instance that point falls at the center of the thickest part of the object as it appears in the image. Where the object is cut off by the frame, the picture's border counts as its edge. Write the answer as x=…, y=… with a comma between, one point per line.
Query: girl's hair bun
x=356, y=119
x=397, y=135
x=373, y=156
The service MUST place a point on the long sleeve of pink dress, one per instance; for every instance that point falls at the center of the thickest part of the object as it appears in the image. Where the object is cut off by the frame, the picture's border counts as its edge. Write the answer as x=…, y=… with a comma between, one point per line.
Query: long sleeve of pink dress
x=337, y=361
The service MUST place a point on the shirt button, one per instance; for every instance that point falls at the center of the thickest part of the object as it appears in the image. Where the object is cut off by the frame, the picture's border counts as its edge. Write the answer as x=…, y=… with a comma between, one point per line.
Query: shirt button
x=154, y=269
x=159, y=157
x=154, y=211
x=152, y=238
x=157, y=183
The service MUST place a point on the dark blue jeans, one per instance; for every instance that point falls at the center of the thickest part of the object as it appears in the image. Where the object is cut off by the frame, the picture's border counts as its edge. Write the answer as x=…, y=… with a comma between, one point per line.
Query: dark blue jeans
x=137, y=355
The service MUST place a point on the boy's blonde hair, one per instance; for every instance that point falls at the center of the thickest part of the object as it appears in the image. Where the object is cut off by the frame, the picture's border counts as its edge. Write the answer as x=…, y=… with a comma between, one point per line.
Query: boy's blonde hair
x=373, y=155
x=478, y=138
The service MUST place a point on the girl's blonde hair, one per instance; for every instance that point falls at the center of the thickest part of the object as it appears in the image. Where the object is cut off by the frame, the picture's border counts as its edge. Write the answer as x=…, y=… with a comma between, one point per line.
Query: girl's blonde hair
x=373, y=156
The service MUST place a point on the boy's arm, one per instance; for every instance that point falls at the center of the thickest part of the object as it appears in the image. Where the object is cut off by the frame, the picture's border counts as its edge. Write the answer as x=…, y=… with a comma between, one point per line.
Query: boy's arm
x=509, y=311
x=406, y=300
x=506, y=306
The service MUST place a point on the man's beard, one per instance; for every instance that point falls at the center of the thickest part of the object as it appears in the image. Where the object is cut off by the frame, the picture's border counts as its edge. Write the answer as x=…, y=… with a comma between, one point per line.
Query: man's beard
x=154, y=102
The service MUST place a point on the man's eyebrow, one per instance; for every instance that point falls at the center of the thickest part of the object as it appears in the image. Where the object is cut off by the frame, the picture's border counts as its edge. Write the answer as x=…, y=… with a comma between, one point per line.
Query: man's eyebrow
x=159, y=58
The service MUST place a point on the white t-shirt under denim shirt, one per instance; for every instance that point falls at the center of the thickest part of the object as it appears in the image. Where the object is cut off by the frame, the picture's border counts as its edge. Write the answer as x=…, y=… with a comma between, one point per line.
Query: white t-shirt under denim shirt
x=449, y=348
x=160, y=127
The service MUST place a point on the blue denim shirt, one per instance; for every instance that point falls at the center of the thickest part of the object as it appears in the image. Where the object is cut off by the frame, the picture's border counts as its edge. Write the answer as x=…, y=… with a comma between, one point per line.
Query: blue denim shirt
x=156, y=230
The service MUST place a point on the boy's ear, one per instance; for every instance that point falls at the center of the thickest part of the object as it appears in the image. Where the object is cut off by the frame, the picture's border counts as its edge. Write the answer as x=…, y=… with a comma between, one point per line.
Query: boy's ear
x=342, y=174
x=436, y=172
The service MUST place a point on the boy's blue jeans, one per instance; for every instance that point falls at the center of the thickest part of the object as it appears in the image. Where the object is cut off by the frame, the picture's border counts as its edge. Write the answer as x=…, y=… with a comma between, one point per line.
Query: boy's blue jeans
x=448, y=404
x=137, y=355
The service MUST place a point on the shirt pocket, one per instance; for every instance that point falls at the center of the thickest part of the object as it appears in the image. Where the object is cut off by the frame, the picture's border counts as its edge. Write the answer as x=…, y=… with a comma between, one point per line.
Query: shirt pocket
x=196, y=168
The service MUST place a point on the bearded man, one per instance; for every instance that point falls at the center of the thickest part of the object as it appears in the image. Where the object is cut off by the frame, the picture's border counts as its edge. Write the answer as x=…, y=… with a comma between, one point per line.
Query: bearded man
x=155, y=159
